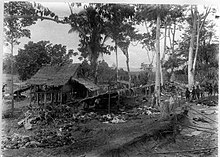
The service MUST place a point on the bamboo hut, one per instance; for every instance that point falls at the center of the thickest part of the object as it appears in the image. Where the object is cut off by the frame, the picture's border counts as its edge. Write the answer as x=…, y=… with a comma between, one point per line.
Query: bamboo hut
x=60, y=84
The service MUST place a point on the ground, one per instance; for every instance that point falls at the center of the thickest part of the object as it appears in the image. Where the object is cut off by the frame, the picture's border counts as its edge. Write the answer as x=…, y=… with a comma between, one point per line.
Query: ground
x=95, y=138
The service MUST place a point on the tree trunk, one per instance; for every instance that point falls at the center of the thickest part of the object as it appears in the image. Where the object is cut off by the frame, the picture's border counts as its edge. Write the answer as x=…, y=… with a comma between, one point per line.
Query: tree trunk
x=199, y=27
x=116, y=54
x=96, y=72
x=164, y=52
x=197, y=47
x=124, y=49
x=190, y=59
x=128, y=68
x=165, y=43
x=12, y=80
x=157, y=81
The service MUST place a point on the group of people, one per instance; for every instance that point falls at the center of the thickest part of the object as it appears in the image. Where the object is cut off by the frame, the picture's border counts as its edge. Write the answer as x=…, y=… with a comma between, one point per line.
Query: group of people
x=197, y=92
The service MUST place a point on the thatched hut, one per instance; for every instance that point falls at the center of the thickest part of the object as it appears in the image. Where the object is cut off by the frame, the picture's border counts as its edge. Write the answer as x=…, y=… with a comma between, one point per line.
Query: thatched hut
x=60, y=84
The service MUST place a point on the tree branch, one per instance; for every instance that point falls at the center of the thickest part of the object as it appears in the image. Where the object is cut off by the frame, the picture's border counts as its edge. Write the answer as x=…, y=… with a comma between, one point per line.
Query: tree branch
x=35, y=16
x=45, y=18
x=71, y=11
x=147, y=53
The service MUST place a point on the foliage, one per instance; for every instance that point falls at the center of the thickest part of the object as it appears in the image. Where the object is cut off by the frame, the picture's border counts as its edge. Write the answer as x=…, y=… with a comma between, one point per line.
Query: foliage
x=208, y=63
x=7, y=59
x=206, y=68
x=106, y=74
x=171, y=15
x=34, y=55
x=90, y=26
x=15, y=28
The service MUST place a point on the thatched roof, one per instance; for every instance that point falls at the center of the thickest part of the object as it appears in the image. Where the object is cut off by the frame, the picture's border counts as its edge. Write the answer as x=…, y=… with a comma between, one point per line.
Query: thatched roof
x=88, y=84
x=60, y=75
x=54, y=75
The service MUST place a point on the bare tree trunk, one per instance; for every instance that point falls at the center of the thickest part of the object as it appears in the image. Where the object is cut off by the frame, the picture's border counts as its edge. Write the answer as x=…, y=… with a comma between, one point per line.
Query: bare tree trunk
x=157, y=81
x=116, y=54
x=199, y=27
x=164, y=52
x=190, y=59
x=96, y=73
x=124, y=49
x=12, y=81
x=128, y=68
x=165, y=43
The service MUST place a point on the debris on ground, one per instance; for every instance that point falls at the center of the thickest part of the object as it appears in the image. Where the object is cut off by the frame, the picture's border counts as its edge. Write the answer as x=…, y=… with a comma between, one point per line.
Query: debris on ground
x=207, y=101
x=200, y=120
x=65, y=122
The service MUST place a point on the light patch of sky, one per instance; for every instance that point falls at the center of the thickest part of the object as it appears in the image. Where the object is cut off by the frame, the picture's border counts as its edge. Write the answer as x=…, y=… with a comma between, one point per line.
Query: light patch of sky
x=58, y=34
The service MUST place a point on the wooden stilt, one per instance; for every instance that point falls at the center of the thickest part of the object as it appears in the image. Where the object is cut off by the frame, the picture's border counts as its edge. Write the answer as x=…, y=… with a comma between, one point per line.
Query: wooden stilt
x=37, y=99
x=45, y=99
x=61, y=97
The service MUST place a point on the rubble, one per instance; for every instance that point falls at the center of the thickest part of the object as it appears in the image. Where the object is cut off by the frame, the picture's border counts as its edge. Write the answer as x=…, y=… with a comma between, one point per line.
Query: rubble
x=207, y=102
x=200, y=120
x=64, y=121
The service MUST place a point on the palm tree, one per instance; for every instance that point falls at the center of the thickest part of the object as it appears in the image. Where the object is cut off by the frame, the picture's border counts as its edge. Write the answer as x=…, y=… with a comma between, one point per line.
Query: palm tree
x=90, y=27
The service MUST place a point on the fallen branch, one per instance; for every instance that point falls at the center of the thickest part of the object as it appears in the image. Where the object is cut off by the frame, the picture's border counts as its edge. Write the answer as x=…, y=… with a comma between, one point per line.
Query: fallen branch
x=191, y=127
x=185, y=151
x=202, y=114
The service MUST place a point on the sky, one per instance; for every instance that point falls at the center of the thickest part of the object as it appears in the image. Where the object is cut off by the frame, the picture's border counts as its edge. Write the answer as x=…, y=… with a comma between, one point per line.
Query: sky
x=58, y=34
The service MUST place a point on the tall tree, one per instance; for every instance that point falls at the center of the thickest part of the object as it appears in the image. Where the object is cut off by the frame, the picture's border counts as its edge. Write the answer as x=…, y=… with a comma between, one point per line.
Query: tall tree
x=119, y=20
x=171, y=24
x=196, y=23
x=90, y=26
x=14, y=29
x=153, y=16
x=205, y=50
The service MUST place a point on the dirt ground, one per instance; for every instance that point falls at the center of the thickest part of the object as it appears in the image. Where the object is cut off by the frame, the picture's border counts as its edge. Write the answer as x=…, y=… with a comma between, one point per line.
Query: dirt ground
x=95, y=138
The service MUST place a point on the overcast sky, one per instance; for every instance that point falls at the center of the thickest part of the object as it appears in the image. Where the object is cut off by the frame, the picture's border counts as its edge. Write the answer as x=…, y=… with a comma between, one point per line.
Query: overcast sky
x=58, y=34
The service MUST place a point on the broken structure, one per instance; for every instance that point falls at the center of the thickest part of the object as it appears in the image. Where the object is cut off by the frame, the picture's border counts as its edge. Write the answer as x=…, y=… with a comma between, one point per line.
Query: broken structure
x=60, y=84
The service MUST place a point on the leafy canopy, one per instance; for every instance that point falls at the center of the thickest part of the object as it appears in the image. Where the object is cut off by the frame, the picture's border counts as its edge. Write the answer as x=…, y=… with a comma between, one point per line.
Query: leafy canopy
x=35, y=55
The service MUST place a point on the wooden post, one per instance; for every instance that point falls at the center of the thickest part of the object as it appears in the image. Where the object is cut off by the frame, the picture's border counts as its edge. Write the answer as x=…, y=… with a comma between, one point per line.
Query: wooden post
x=37, y=98
x=109, y=103
x=61, y=97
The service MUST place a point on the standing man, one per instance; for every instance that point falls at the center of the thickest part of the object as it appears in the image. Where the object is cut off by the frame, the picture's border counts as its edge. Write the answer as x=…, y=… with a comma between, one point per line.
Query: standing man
x=187, y=94
x=210, y=89
x=198, y=92
x=193, y=93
